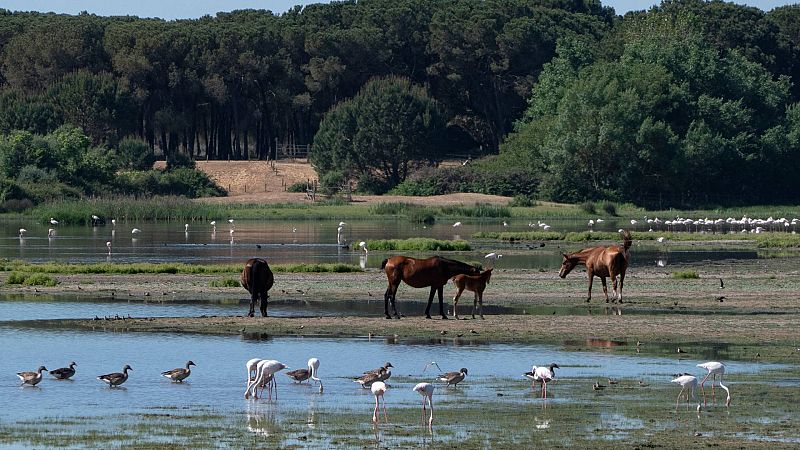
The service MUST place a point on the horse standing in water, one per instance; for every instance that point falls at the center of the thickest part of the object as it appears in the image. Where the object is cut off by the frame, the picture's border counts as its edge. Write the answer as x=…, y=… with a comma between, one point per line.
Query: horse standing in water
x=418, y=273
x=257, y=278
x=601, y=262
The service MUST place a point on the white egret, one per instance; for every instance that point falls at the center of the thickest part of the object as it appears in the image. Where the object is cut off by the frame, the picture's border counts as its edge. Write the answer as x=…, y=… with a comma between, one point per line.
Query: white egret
x=108, y=245
x=493, y=255
x=363, y=246
x=457, y=224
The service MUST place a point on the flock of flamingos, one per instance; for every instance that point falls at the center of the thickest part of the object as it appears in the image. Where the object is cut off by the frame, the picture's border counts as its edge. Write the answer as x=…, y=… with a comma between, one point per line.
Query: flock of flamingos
x=602, y=262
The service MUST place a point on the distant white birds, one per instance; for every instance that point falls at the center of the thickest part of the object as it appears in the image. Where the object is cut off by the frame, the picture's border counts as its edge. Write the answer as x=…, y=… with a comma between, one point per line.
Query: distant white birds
x=426, y=391
x=230, y=220
x=186, y=228
x=457, y=224
x=599, y=220
x=22, y=232
x=363, y=246
x=714, y=368
x=687, y=382
x=108, y=245
x=53, y=221
x=591, y=223
x=95, y=218
x=634, y=221
x=493, y=255
x=340, y=235
x=505, y=224
x=113, y=222
x=378, y=388
x=136, y=231
x=661, y=239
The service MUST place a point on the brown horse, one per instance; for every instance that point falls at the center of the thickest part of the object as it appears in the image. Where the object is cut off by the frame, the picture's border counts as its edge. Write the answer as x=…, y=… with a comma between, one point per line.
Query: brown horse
x=474, y=283
x=418, y=273
x=257, y=278
x=601, y=262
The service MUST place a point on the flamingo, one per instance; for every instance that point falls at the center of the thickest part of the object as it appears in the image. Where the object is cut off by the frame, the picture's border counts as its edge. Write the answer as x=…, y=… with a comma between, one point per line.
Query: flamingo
x=634, y=221
x=363, y=246
x=714, y=368
x=339, y=235
x=313, y=368
x=22, y=232
x=265, y=371
x=426, y=391
x=341, y=224
x=53, y=221
x=686, y=381
x=457, y=224
x=251, y=369
x=108, y=245
x=378, y=388
x=543, y=375
x=136, y=231
x=95, y=218
x=493, y=255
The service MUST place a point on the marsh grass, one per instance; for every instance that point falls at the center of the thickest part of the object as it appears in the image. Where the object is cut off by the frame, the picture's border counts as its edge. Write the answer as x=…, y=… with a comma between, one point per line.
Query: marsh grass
x=685, y=275
x=30, y=279
x=225, y=282
x=162, y=268
x=418, y=244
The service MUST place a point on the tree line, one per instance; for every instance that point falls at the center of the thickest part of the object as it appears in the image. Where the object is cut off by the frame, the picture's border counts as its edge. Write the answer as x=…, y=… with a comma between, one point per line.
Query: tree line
x=692, y=101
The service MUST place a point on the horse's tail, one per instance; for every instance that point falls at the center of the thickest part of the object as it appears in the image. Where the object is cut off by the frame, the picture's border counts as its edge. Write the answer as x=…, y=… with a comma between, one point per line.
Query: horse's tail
x=383, y=263
x=627, y=241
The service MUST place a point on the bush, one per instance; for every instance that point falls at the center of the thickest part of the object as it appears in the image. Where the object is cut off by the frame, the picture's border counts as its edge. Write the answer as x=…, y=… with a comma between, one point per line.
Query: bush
x=36, y=279
x=135, y=154
x=331, y=183
x=300, y=186
x=225, y=282
x=15, y=278
x=589, y=207
x=177, y=160
x=446, y=180
x=610, y=208
x=685, y=275
x=371, y=185
x=524, y=201
x=187, y=182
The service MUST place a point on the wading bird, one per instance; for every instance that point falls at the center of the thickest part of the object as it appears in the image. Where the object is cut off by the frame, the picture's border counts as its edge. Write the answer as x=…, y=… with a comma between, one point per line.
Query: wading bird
x=453, y=378
x=108, y=246
x=543, y=375
x=265, y=375
x=179, y=374
x=53, y=221
x=64, y=373
x=457, y=224
x=31, y=378
x=116, y=378
x=714, y=368
x=363, y=246
x=686, y=381
x=22, y=232
x=426, y=391
x=136, y=231
x=378, y=388
x=493, y=256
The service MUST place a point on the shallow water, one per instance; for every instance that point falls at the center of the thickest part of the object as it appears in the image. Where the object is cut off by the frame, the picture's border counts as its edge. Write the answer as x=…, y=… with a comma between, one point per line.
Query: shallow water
x=219, y=377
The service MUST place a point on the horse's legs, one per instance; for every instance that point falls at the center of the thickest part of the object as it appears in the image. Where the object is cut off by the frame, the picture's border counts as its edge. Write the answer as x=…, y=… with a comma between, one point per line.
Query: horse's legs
x=264, y=301
x=605, y=287
x=621, y=282
x=253, y=300
x=393, y=298
x=440, y=291
x=430, y=302
x=591, y=279
x=480, y=303
x=474, y=304
x=455, y=301
x=386, y=296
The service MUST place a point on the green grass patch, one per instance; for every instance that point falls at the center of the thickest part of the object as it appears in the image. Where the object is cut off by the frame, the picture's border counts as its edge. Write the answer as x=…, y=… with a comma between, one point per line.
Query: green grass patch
x=154, y=268
x=30, y=279
x=418, y=244
x=685, y=275
x=225, y=282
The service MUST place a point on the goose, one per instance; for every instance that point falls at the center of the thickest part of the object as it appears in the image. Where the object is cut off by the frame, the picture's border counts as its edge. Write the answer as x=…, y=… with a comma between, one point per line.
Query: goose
x=31, y=378
x=116, y=378
x=299, y=375
x=368, y=379
x=179, y=374
x=64, y=373
x=385, y=374
x=453, y=378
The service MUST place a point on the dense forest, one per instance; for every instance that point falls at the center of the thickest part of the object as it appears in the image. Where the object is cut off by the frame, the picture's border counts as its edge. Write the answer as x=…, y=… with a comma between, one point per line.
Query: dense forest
x=691, y=102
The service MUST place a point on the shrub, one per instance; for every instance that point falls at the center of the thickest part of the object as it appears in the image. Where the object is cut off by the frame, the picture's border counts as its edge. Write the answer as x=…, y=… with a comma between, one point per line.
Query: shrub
x=589, y=207
x=524, y=201
x=135, y=154
x=225, y=282
x=39, y=279
x=685, y=275
x=331, y=183
x=610, y=208
x=15, y=278
x=372, y=185
x=300, y=186
x=419, y=244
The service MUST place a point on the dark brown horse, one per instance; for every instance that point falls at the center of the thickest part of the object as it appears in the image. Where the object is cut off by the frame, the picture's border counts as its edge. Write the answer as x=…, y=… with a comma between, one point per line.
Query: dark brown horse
x=257, y=278
x=418, y=273
x=601, y=262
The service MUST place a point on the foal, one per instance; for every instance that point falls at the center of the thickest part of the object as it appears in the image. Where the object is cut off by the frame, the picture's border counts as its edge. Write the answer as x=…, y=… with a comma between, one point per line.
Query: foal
x=474, y=283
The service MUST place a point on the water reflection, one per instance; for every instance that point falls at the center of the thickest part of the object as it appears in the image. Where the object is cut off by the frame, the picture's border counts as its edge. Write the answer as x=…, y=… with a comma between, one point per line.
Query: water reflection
x=262, y=418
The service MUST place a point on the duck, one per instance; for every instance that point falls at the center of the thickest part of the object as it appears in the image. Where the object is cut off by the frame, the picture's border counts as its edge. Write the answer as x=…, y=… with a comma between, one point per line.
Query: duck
x=613, y=381
x=453, y=378
x=597, y=386
x=117, y=378
x=179, y=374
x=64, y=373
x=299, y=375
x=31, y=378
x=369, y=378
x=383, y=372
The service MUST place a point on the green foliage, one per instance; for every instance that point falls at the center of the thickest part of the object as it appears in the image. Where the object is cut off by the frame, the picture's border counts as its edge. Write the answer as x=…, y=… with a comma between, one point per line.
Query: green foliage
x=28, y=279
x=300, y=186
x=417, y=244
x=135, y=154
x=609, y=208
x=685, y=275
x=589, y=207
x=225, y=282
x=524, y=201
x=387, y=129
x=473, y=178
x=331, y=182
